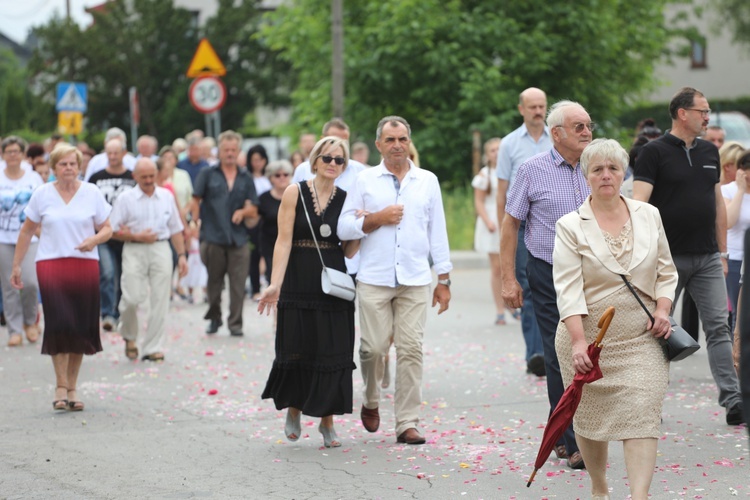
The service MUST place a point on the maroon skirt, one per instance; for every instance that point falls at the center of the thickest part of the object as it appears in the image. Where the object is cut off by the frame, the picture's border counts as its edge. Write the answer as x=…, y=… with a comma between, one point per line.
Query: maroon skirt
x=70, y=301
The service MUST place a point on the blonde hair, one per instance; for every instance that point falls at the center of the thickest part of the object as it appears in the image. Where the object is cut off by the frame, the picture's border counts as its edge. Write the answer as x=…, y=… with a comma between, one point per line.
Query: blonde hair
x=334, y=142
x=729, y=154
x=64, y=149
x=413, y=154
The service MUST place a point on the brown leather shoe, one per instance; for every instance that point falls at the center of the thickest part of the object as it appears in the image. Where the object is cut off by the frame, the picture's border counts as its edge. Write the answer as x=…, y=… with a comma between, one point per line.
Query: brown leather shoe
x=575, y=461
x=411, y=436
x=560, y=451
x=370, y=418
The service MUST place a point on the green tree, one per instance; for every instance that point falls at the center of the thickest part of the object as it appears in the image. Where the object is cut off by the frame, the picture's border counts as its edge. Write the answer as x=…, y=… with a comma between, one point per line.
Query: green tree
x=143, y=44
x=14, y=101
x=255, y=74
x=735, y=17
x=450, y=66
x=148, y=44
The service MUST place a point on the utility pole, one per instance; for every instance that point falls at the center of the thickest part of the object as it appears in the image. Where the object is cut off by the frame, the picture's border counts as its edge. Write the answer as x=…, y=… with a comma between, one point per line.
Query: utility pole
x=337, y=73
x=67, y=9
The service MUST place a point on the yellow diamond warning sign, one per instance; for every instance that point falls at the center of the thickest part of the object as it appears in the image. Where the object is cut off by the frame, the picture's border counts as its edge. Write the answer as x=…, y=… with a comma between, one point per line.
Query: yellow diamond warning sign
x=205, y=62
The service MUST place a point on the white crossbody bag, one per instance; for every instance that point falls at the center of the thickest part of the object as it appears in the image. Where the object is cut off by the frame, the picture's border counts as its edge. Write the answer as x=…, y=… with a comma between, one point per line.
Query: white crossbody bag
x=332, y=282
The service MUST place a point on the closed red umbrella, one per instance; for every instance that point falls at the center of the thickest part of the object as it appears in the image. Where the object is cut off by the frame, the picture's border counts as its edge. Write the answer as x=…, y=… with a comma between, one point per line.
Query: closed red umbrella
x=566, y=407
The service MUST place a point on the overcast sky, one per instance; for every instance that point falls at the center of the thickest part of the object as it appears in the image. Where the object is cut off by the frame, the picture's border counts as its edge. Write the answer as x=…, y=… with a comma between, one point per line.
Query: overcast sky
x=18, y=17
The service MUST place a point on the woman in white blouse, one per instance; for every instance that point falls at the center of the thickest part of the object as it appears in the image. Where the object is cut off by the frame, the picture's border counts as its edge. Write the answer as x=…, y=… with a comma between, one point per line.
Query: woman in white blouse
x=737, y=199
x=74, y=219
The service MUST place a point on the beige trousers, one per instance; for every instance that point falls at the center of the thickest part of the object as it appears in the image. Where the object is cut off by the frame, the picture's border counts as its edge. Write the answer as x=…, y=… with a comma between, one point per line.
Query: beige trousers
x=401, y=312
x=145, y=267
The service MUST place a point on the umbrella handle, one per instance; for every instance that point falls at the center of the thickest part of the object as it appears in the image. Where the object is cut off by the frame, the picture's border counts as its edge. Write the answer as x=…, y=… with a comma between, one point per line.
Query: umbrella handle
x=531, y=478
x=604, y=322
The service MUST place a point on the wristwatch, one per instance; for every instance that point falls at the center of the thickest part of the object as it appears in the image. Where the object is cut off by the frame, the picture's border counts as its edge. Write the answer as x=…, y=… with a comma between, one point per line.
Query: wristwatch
x=724, y=255
x=446, y=282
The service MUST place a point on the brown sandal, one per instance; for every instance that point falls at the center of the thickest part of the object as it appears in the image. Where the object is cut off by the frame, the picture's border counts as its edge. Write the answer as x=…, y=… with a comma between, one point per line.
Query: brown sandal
x=60, y=404
x=131, y=350
x=74, y=405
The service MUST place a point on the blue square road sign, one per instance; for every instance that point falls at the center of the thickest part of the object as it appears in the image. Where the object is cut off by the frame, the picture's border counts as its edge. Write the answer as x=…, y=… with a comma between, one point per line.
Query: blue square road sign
x=72, y=96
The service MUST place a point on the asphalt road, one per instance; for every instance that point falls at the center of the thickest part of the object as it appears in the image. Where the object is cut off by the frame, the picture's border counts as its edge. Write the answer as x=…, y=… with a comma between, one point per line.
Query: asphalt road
x=195, y=426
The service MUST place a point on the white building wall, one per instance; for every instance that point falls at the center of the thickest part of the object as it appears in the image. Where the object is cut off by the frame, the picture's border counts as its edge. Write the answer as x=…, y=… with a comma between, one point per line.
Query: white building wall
x=727, y=70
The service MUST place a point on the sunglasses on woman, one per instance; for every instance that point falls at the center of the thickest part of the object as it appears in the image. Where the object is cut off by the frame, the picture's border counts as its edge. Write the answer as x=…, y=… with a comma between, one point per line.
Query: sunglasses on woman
x=281, y=174
x=328, y=159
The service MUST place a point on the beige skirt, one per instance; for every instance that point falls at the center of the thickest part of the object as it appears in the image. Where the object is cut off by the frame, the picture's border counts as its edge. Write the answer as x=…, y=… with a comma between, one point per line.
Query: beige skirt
x=627, y=402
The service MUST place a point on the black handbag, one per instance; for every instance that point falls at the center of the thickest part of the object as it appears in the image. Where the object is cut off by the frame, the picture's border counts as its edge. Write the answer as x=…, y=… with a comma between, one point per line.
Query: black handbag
x=680, y=343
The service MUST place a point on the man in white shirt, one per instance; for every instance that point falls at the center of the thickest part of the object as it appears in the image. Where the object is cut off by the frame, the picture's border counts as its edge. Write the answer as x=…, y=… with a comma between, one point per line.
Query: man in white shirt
x=100, y=161
x=146, y=218
x=337, y=128
x=403, y=224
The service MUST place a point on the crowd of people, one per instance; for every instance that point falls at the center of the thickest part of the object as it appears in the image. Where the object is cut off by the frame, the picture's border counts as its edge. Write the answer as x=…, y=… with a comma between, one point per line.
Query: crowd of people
x=566, y=221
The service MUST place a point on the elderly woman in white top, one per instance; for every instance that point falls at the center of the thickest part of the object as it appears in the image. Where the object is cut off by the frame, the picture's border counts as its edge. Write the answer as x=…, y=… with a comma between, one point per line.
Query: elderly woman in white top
x=74, y=219
x=16, y=186
x=606, y=238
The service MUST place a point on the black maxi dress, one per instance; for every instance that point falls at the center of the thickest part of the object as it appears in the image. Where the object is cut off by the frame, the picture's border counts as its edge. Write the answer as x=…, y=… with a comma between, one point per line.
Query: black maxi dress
x=314, y=331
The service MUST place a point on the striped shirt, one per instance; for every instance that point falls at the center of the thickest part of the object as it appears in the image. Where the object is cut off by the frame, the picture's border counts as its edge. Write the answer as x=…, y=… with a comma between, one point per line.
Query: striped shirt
x=545, y=188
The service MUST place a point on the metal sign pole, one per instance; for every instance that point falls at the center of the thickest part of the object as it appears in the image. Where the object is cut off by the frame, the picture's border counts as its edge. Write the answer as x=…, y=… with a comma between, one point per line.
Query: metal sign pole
x=217, y=123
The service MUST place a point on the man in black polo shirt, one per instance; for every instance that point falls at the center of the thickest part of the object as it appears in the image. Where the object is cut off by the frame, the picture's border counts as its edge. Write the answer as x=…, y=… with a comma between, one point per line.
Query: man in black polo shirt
x=679, y=174
x=224, y=196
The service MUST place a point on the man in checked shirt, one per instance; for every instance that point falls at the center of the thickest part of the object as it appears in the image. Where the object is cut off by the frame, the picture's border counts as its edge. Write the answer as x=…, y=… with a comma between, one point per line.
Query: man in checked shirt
x=547, y=186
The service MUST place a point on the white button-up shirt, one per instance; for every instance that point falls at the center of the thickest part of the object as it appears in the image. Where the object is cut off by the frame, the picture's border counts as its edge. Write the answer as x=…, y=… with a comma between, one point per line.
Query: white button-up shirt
x=395, y=255
x=137, y=211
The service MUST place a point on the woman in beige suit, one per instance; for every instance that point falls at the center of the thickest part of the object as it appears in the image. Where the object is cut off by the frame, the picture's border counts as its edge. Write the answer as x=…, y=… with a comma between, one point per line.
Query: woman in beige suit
x=607, y=237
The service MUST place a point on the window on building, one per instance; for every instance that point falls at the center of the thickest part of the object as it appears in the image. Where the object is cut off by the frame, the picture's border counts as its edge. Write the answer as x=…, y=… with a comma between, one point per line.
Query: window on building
x=698, y=54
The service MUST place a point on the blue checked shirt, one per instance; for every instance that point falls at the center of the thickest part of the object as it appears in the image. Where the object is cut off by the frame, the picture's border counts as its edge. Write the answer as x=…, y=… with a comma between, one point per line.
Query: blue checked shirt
x=546, y=187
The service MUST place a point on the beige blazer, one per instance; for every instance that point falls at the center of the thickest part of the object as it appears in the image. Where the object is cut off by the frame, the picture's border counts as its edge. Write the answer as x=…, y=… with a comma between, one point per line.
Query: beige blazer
x=585, y=271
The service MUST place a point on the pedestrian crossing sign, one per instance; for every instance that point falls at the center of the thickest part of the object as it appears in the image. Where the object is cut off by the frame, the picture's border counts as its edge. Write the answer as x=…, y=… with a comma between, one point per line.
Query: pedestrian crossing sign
x=72, y=96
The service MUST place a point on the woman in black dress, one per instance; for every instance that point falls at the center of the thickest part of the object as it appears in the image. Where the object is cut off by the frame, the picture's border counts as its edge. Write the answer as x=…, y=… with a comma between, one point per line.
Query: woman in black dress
x=312, y=372
x=279, y=172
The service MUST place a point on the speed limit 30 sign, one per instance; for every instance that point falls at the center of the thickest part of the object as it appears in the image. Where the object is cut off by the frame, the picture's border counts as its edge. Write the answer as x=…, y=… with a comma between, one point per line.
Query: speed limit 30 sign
x=207, y=94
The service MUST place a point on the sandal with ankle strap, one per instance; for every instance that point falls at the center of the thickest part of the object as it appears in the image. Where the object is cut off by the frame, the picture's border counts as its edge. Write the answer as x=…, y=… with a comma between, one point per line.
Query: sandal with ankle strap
x=74, y=405
x=131, y=350
x=60, y=404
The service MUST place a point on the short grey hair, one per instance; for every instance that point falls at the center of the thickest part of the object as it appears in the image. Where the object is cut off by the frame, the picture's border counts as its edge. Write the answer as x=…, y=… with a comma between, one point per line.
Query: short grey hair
x=604, y=149
x=556, y=115
x=14, y=139
x=115, y=133
x=229, y=135
x=394, y=121
x=334, y=142
x=334, y=123
x=279, y=166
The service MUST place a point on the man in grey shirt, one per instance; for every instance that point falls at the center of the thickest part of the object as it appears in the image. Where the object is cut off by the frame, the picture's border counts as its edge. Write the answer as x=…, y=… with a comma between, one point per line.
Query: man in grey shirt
x=223, y=197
